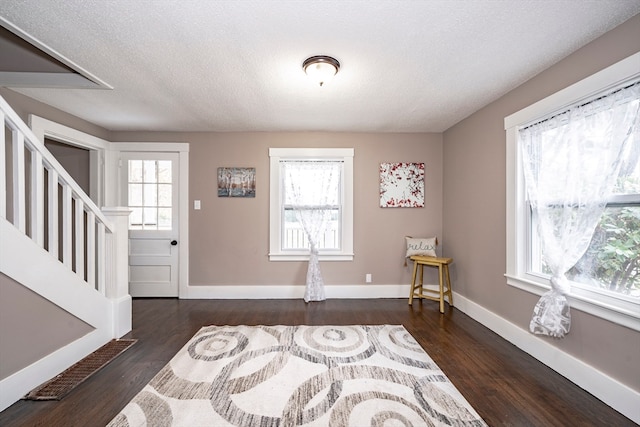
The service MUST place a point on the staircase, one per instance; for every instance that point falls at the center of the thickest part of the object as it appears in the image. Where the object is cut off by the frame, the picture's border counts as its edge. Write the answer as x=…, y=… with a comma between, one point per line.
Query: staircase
x=55, y=242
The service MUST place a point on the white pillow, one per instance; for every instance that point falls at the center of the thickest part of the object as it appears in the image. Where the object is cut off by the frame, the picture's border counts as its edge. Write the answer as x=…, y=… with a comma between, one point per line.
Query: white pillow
x=422, y=246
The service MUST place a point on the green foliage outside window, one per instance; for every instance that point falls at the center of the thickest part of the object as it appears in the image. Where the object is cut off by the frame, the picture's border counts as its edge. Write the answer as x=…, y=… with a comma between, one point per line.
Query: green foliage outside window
x=620, y=257
x=612, y=261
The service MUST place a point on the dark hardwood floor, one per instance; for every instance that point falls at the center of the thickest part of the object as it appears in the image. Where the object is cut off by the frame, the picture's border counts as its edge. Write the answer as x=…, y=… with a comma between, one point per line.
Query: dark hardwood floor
x=505, y=386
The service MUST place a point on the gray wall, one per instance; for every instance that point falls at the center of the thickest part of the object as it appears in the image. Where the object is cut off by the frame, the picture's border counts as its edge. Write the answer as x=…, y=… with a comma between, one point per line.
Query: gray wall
x=31, y=327
x=74, y=160
x=475, y=210
x=229, y=237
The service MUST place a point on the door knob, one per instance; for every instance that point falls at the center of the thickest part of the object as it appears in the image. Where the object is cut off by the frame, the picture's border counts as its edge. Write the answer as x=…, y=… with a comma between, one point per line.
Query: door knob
x=174, y=242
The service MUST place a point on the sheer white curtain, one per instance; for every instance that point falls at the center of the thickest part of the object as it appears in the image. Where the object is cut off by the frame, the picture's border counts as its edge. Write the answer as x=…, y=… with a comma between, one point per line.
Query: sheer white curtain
x=571, y=162
x=312, y=189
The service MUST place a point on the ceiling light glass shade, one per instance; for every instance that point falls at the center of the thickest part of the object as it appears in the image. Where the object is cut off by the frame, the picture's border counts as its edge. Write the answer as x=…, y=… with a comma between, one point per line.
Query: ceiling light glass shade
x=321, y=68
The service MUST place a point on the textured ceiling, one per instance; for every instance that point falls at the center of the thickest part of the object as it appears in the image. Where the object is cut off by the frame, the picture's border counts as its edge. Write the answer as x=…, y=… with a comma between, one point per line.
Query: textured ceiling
x=213, y=65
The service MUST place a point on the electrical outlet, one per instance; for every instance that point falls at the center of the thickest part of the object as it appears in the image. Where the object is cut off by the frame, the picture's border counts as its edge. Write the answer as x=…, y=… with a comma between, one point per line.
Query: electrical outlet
x=367, y=278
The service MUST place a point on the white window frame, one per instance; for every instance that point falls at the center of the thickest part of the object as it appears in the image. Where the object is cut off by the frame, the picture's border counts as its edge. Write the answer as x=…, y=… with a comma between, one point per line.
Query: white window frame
x=619, y=309
x=276, y=155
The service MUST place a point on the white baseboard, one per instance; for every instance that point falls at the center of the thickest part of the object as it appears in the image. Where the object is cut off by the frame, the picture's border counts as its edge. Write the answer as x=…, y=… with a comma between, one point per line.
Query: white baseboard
x=615, y=394
x=15, y=386
x=294, y=292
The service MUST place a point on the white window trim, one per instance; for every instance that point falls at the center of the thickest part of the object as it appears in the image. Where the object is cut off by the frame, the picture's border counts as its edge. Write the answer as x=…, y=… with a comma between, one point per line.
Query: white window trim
x=275, y=234
x=615, y=308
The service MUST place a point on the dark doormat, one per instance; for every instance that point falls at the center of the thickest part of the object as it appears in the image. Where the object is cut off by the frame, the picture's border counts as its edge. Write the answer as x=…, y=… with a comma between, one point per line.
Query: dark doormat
x=57, y=387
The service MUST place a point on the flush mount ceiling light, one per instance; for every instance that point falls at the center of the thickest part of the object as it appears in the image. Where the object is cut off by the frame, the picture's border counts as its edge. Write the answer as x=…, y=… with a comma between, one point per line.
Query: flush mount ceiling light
x=321, y=68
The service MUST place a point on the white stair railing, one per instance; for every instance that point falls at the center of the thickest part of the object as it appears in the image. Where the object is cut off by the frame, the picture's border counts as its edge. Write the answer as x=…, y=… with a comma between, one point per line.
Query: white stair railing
x=41, y=199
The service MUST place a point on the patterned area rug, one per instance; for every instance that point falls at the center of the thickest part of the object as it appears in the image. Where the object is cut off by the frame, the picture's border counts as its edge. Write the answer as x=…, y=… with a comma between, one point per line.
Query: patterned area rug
x=300, y=376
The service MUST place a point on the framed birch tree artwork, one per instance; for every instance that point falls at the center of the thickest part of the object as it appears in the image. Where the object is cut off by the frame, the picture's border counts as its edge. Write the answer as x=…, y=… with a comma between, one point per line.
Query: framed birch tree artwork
x=402, y=185
x=236, y=182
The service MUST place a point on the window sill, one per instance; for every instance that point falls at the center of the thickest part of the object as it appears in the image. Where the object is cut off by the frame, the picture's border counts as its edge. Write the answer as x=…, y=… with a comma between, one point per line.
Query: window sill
x=620, y=310
x=305, y=257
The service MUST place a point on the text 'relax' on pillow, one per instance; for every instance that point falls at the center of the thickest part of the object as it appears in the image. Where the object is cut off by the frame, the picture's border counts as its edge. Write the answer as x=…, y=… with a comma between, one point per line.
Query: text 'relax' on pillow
x=421, y=246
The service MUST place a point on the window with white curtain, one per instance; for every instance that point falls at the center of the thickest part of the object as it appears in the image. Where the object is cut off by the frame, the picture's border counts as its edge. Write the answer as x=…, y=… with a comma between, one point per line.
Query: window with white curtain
x=605, y=279
x=612, y=260
x=311, y=194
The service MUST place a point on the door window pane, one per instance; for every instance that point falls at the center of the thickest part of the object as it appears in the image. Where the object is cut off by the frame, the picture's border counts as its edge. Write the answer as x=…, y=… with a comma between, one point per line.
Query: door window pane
x=164, y=219
x=149, y=171
x=135, y=219
x=164, y=194
x=150, y=195
x=164, y=171
x=135, y=170
x=151, y=202
x=135, y=194
x=150, y=217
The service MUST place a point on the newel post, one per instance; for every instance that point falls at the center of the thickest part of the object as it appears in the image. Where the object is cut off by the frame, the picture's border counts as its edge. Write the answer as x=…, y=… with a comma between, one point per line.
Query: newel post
x=117, y=269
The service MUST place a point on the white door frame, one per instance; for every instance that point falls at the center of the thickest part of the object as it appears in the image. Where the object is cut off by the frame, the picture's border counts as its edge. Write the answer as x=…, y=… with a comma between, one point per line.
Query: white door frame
x=182, y=148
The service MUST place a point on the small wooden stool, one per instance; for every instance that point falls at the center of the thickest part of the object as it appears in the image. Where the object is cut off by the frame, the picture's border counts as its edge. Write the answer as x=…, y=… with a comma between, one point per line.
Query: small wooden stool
x=418, y=291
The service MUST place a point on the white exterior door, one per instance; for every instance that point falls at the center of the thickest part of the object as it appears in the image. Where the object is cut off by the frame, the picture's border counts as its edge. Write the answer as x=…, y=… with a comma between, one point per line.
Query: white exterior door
x=150, y=188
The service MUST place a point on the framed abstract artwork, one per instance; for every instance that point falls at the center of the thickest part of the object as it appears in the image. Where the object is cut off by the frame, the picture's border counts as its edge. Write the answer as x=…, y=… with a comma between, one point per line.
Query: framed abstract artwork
x=236, y=182
x=401, y=185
